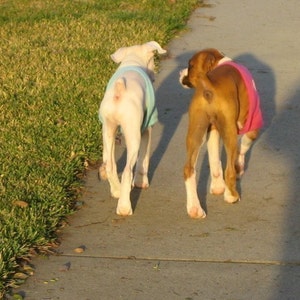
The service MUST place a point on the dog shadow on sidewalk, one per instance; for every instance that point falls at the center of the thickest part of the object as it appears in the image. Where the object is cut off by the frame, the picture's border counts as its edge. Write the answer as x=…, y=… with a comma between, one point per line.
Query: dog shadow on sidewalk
x=281, y=133
x=172, y=103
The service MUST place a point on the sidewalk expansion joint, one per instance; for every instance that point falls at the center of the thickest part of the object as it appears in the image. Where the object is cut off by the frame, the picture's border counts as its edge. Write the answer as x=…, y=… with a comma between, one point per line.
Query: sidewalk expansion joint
x=191, y=260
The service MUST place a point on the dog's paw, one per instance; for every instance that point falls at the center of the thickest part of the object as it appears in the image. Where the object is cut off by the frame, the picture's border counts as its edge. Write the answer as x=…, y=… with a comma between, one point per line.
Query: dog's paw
x=229, y=198
x=217, y=186
x=124, y=211
x=141, y=181
x=102, y=172
x=196, y=213
x=141, y=185
x=217, y=190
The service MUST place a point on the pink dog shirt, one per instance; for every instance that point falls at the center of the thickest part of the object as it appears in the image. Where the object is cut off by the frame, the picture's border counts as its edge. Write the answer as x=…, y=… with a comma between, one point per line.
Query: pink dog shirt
x=254, y=119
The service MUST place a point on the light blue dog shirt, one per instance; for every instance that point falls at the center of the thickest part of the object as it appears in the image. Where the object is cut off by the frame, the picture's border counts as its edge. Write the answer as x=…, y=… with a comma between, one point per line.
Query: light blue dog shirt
x=151, y=114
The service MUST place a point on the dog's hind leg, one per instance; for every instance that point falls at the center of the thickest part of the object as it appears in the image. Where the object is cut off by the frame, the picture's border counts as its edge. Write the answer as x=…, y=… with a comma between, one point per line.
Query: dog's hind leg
x=142, y=165
x=217, y=185
x=133, y=139
x=195, y=137
x=108, y=169
x=245, y=144
x=230, y=142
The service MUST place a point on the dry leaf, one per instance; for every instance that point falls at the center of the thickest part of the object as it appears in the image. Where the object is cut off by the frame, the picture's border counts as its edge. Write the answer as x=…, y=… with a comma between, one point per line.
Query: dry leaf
x=80, y=249
x=20, y=203
x=28, y=269
x=20, y=275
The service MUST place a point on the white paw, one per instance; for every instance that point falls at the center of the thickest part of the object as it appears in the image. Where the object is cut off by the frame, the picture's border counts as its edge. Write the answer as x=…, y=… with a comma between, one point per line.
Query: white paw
x=196, y=212
x=124, y=210
x=217, y=186
x=141, y=181
x=229, y=198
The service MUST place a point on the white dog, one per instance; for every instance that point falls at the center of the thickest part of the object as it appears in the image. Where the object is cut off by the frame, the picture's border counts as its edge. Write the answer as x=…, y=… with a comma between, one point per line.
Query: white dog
x=129, y=102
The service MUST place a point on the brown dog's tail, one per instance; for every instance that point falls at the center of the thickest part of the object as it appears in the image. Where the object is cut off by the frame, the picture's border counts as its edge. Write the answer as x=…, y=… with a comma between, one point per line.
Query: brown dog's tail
x=120, y=87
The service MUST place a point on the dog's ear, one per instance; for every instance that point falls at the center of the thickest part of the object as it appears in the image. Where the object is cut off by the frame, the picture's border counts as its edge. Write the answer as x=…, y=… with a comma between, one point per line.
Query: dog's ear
x=119, y=55
x=152, y=46
x=209, y=62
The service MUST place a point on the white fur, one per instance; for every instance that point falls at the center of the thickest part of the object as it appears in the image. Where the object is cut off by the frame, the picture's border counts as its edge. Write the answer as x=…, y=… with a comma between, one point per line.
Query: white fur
x=224, y=59
x=182, y=74
x=245, y=144
x=124, y=105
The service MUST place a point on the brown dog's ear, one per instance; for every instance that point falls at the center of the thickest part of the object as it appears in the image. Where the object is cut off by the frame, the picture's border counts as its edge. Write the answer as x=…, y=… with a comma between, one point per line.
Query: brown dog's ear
x=186, y=82
x=209, y=62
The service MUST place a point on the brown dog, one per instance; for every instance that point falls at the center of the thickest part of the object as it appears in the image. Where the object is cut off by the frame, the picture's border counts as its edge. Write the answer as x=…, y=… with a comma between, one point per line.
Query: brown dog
x=225, y=104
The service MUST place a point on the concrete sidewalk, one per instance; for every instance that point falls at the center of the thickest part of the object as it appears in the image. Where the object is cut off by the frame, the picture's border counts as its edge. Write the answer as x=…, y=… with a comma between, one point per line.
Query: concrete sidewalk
x=250, y=250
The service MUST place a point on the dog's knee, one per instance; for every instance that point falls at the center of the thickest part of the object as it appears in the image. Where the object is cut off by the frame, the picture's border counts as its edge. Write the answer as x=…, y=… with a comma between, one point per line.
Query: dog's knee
x=188, y=171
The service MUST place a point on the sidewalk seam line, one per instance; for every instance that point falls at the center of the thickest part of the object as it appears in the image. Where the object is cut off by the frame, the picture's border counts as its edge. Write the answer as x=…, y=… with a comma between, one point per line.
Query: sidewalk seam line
x=214, y=261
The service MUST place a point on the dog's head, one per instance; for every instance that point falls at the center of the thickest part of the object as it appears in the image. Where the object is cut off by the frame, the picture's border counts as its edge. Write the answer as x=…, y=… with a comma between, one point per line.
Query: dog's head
x=200, y=64
x=139, y=55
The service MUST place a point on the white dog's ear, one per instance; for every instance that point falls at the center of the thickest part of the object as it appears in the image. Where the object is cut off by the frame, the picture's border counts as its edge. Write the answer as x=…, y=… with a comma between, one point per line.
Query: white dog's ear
x=119, y=55
x=155, y=46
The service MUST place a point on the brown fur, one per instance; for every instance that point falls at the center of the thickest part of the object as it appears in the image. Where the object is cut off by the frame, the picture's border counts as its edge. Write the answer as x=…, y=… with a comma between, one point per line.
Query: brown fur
x=220, y=102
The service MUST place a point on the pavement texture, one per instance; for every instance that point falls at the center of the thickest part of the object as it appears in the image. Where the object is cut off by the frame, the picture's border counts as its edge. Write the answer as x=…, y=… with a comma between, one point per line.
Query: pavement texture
x=249, y=250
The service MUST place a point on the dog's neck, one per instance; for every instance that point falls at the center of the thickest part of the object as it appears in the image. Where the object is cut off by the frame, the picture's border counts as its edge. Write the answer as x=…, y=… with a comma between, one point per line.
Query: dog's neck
x=134, y=60
x=139, y=64
x=224, y=59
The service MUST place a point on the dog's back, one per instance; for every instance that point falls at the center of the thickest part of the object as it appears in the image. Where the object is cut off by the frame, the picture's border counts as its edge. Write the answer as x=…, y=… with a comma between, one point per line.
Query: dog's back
x=129, y=98
x=243, y=91
x=124, y=99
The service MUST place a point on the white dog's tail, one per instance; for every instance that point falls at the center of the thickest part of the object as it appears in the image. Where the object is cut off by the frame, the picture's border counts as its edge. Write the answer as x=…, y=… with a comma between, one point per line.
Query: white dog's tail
x=119, y=89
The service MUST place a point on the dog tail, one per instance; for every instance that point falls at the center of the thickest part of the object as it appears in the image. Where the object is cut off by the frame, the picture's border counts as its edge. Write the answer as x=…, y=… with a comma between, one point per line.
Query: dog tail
x=208, y=89
x=120, y=87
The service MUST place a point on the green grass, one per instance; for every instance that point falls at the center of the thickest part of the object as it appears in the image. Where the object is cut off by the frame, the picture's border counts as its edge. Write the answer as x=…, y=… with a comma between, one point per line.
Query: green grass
x=53, y=70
